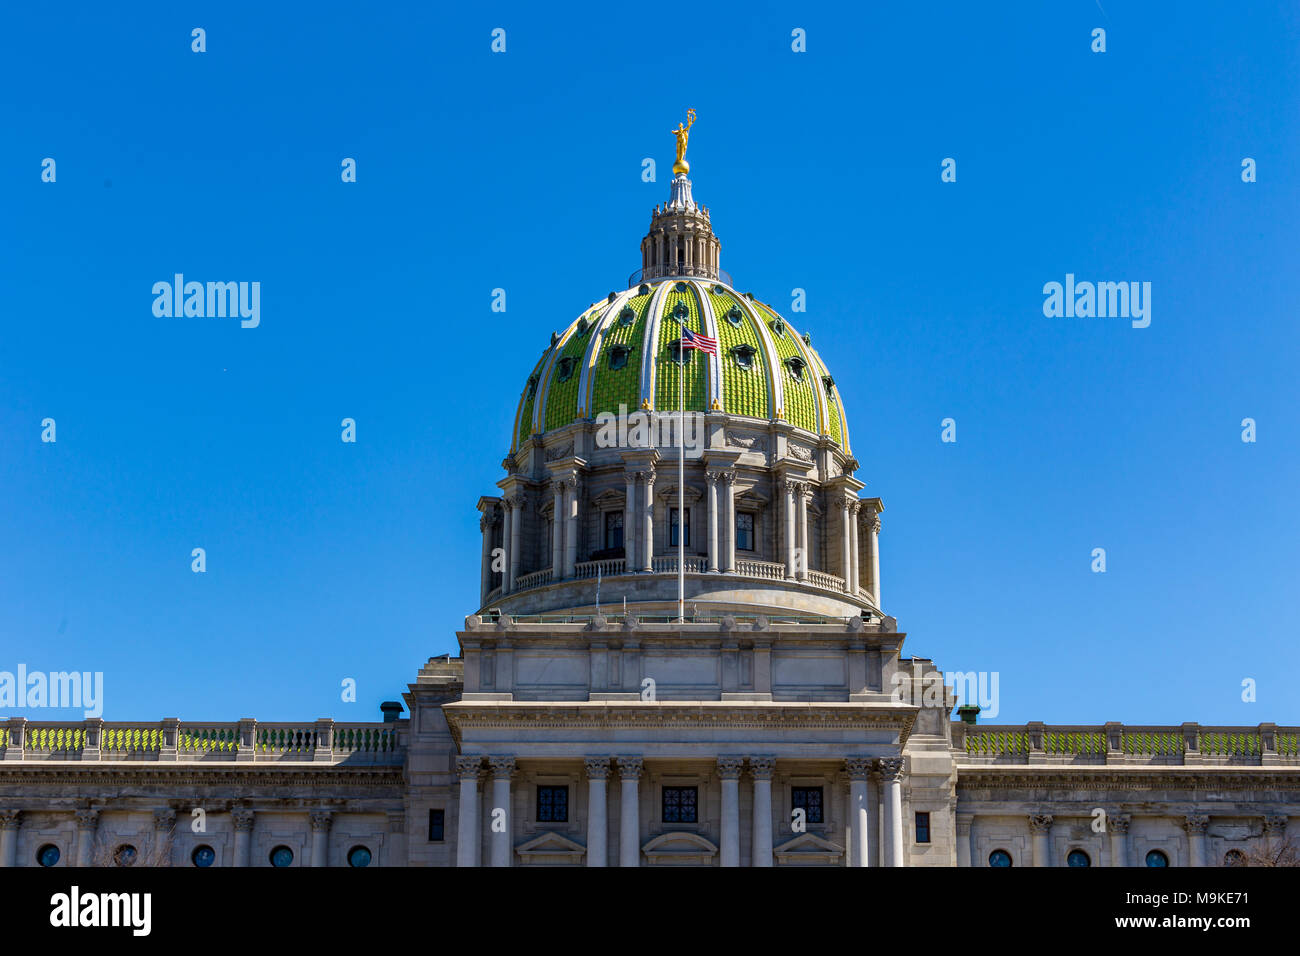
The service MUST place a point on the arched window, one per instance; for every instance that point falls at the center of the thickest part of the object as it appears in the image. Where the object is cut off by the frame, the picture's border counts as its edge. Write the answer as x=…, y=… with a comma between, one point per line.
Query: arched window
x=999, y=858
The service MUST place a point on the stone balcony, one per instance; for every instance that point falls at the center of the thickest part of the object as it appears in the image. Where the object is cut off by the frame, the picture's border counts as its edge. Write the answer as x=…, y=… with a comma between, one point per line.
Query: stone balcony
x=1125, y=744
x=243, y=741
x=755, y=586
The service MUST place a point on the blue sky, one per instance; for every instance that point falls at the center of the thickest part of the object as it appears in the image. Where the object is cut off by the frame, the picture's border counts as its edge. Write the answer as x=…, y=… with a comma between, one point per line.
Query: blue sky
x=522, y=171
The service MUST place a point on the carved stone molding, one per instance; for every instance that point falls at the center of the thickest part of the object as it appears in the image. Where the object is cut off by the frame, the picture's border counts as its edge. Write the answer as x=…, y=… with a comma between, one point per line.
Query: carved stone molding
x=730, y=768
x=87, y=819
x=1040, y=822
x=556, y=452
x=1196, y=822
x=891, y=769
x=742, y=441
x=243, y=819
x=502, y=766
x=799, y=452
x=857, y=767
x=164, y=818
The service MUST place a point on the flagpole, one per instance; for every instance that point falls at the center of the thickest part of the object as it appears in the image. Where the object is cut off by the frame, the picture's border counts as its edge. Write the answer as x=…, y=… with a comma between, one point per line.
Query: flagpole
x=681, y=479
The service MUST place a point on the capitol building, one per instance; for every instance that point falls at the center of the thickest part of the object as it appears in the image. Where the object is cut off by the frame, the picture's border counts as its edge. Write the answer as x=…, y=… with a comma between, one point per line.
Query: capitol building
x=680, y=655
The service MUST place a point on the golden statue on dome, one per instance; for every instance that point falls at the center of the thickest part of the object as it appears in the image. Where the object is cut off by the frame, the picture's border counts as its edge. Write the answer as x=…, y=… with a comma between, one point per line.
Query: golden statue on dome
x=683, y=135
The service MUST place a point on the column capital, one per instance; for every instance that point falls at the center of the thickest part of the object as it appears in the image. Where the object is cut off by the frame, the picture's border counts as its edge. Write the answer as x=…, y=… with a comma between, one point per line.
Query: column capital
x=729, y=768
x=631, y=768
x=1040, y=822
x=857, y=767
x=1196, y=823
x=10, y=819
x=467, y=766
x=89, y=816
x=872, y=521
x=964, y=821
x=517, y=500
x=243, y=819
x=320, y=819
x=1118, y=822
x=597, y=767
x=1275, y=823
x=762, y=767
x=502, y=765
x=164, y=818
x=891, y=769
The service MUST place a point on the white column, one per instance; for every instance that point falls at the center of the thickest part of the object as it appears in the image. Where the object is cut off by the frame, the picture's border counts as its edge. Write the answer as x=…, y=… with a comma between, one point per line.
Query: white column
x=629, y=823
x=485, y=524
x=557, y=533
x=320, y=837
x=1196, y=824
x=502, y=817
x=10, y=821
x=855, y=578
x=597, y=822
x=846, y=545
x=803, y=558
x=729, y=769
x=511, y=572
x=729, y=498
x=874, y=525
x=891, y=780
x=1117, y=824
x=965, y=834
x=507, y=524
x=648, y=525
x=1040, y=826
x=242, y=818
x=711, y=479
x=467, y=835
x=762, y=769
x=788, y=500
x=571, y=533
x=860, y=822
x=629, y=523
x=87, y=821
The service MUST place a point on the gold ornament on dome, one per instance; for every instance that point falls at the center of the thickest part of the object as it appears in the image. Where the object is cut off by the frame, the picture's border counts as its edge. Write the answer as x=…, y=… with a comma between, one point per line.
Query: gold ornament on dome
x=683, y=136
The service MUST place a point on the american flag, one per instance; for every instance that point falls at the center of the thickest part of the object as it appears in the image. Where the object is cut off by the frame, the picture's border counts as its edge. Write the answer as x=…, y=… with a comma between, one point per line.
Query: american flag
x=693, y=340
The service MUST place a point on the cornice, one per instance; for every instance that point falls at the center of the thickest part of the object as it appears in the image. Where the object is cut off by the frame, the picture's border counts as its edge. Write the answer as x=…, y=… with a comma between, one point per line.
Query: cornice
x=1129, y=778
x=139, y=774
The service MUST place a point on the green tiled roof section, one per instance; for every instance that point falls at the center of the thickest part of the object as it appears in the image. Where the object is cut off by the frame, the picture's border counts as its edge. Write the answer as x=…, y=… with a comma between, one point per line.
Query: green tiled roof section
x=744, y=391
x=613, y=387
x=525, y=422
x=562, y=399
x=666, y=372
x=800, y=402
x=832, y=399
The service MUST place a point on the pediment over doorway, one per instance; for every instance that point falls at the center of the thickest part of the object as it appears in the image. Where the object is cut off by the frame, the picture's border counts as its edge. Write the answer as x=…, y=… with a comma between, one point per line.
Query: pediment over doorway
x=680, y=849
x=808, y=849
x=551, y=849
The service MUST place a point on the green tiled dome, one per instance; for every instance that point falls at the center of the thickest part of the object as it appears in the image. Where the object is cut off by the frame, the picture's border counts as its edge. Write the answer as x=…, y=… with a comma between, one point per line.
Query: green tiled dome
x=619, y=352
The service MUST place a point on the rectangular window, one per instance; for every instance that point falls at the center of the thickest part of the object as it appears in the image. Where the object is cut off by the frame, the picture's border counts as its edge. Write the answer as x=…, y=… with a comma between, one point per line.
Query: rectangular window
x=680, y=804
x=672, y=527
x=808, y=799
x=613, y=530
x=552, y=804
x=744, y=531
x=922, y=827
x=437, y=819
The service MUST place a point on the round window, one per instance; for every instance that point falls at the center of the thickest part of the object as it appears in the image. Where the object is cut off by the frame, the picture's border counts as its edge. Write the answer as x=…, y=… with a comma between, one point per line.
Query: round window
x=1077, y=858
x=999, y=858
x=124, y=855
x=1234, y=858
x=1156, y=858
x=203, y=856
x=282, y=856
x=358, y=856
x=47, y=855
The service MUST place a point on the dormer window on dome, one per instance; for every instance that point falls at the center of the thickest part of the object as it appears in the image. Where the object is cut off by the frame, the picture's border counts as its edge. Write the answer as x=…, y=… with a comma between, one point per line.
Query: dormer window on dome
x=618, y=356
x=680, y=311
x=627, y=316
x=778, y=326
x=744, y=355
x=796, y=366
x=734, y=315
x=829, y=384
x=583, y=326
x=532, y=387
x=564, y=369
